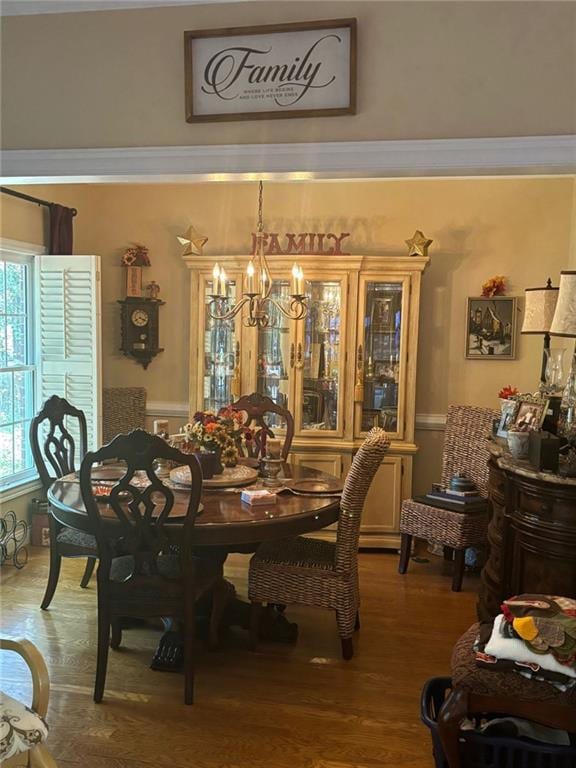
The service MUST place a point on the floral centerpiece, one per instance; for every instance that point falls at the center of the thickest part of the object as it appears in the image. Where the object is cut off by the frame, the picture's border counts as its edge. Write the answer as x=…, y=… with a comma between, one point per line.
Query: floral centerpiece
x=507, y=391
x=220, y=433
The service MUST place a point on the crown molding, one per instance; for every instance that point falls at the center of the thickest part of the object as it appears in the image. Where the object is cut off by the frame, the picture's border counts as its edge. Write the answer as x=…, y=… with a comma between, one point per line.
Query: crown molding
x=34, y=7
x=534, y=155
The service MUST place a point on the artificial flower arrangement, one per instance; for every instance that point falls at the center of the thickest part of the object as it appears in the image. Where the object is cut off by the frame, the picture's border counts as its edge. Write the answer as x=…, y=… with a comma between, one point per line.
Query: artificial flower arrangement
x=507, y=391
x=221, y=433
x=495, y=286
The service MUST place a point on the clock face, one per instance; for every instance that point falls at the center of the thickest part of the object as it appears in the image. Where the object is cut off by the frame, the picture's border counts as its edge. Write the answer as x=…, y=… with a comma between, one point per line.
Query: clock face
x=139, y=317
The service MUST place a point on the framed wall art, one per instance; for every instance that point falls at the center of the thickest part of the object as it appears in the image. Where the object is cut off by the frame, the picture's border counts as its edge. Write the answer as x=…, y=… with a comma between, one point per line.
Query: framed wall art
x=491, y=328
x=303, y=69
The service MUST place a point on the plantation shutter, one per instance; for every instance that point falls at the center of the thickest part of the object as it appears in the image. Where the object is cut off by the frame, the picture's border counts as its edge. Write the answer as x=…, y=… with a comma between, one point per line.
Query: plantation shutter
x=68, y=335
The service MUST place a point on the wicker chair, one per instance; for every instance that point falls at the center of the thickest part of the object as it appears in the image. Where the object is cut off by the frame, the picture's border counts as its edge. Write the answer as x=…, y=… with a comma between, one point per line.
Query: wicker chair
x=55, y=458
x=256, y=407
x=464, y=451
x=24, y=728
x=319, y=573
x=123, y=409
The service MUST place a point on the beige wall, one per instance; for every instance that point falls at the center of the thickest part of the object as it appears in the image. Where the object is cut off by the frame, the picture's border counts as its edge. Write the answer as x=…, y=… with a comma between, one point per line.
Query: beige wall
x=522, y=228
x=426, y=70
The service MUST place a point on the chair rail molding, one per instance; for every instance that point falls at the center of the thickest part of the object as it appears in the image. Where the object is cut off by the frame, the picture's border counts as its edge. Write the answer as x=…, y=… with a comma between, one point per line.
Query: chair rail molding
x=431, y=422
x=538, y=155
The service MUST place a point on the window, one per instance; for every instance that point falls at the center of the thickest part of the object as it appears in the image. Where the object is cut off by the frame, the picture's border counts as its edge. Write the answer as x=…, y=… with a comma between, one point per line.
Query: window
x=17, y=369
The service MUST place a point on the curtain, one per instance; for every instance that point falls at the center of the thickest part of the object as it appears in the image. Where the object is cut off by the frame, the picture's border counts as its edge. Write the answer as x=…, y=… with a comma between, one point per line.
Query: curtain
x=61, y=230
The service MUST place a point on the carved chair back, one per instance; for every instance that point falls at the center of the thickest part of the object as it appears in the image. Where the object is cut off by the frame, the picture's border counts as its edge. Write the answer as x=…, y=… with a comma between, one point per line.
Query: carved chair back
x=54, y=450
x=358, y=481
x=256, y=406
x=138, y=505
x=465, y=446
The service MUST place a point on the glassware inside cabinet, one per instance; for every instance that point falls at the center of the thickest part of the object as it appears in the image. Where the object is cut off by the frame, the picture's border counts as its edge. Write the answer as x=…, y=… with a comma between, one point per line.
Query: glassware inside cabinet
x=219, y=352
x=273, y=354
x=381, y=356
x=320, y=358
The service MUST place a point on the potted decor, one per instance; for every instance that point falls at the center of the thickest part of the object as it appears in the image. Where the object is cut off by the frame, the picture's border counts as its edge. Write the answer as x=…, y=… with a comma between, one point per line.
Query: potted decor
x=216, y=439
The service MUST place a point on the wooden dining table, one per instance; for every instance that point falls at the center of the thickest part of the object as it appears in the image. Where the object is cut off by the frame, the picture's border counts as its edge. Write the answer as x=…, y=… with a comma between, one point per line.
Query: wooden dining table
x=225, y=524
x=224, y=520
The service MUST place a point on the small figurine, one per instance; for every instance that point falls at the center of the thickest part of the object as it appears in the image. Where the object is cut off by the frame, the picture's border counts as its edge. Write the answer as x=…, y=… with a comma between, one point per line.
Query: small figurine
x=136, y=256
x=153, y=289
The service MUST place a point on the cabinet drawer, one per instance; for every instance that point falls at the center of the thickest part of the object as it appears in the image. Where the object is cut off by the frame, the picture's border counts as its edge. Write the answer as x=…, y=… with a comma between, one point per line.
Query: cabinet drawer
x=546, y=507
x=331, y=463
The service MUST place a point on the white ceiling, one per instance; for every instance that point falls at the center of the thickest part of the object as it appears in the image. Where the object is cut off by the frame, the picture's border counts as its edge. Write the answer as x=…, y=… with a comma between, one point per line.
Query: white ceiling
x=28, y=7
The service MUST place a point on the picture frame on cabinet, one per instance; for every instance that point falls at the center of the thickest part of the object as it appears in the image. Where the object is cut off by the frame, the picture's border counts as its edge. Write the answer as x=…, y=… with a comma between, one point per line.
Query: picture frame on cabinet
x=508, y=409
x=491, y=328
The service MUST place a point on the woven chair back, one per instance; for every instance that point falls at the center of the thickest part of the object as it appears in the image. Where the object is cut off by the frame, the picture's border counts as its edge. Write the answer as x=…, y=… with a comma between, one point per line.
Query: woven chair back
x=54, y=447
x=123, y=410
x=465, y=446
x=256, y=406
x=139, y=504
x=358, y=481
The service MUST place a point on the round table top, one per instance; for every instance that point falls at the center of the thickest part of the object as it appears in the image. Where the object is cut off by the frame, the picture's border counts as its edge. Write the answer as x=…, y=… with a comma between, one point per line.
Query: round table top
x=224, y=519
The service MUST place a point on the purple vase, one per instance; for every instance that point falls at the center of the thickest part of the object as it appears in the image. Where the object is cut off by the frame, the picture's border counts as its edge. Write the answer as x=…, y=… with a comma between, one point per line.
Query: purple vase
x=210, y=463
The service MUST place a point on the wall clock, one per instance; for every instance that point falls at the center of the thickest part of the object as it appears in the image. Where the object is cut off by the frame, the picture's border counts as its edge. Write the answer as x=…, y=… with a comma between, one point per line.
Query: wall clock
x=140, y=328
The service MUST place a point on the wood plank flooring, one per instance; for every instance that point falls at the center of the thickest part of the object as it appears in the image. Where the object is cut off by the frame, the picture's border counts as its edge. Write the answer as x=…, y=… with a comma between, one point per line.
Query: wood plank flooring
x=284, y=707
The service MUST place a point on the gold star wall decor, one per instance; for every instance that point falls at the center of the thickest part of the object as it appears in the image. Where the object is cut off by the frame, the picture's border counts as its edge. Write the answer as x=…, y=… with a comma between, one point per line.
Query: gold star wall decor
x=193, y=241
x=418, y=244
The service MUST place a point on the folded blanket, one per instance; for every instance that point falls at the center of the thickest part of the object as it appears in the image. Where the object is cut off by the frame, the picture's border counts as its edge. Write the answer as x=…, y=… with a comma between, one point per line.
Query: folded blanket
x=516, y=650
x=546, y=624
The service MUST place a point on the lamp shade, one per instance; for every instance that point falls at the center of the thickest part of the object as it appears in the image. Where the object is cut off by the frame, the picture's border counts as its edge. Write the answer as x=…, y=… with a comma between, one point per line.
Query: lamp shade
x=564, y=322
x=539, y=309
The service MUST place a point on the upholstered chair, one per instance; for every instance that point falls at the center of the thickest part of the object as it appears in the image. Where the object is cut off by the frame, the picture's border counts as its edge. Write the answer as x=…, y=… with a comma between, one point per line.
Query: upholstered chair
x=23, y=728
x=55, y=453
x=318, y=573
x=465, y=451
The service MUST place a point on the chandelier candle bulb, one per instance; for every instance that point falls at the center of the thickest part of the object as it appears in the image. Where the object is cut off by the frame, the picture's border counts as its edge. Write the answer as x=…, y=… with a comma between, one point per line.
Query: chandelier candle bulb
x=250, y=271
x=295, y=273
x=222, y=291
x=216, y=280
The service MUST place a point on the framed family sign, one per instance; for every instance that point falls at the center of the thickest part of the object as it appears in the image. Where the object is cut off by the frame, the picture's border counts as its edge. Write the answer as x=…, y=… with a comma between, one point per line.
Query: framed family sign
x=303, y=69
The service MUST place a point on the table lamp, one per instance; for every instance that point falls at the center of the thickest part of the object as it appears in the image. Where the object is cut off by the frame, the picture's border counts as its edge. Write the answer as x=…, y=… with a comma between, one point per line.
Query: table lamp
x=538, y=315
x=564, y=324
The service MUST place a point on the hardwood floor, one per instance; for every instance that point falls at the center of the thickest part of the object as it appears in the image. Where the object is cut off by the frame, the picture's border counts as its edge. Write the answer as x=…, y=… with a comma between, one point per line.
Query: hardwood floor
x=283, y=707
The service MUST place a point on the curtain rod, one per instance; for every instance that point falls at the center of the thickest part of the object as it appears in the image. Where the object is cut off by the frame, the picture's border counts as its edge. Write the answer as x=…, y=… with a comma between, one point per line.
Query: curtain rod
x=31, y=199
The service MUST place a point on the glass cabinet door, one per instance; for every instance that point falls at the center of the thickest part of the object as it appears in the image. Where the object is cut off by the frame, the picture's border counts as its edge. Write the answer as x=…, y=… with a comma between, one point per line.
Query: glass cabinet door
x=273, y=359
x=380, y=354
x=221, y=347
x=319, y=357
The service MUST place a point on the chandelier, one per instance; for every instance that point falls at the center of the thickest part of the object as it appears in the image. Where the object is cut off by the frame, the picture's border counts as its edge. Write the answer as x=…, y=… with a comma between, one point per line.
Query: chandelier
x=257, y=288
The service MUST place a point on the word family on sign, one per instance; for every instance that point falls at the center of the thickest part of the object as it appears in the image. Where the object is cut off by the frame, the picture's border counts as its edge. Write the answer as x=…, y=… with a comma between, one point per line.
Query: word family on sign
x=313, y=243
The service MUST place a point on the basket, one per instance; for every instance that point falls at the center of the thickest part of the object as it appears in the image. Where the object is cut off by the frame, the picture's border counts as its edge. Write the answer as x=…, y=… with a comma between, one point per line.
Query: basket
x=483, y=751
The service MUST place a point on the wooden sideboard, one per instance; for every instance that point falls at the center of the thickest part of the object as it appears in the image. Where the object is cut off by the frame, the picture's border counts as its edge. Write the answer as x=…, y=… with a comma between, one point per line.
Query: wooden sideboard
x=532, y=534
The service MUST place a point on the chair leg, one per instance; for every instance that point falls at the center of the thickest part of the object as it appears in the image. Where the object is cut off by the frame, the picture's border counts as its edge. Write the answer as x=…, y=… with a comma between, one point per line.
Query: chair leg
x=405, y=547
x=55, y=562
x=347, y=648
x=103, y=642
x=189, y=637
x=255, y=617
x=357, y=622
x=88, y=571
x=116, y=634
x=448, y=554
x=459, y=562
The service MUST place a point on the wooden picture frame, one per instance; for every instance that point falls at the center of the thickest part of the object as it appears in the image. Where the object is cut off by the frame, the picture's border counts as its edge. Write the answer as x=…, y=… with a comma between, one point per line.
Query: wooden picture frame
x=491, y=328
x=531, y=413
x=302, y=69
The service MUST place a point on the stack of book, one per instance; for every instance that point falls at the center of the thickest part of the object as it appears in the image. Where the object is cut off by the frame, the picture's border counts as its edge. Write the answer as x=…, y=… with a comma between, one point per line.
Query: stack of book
x=457, y=501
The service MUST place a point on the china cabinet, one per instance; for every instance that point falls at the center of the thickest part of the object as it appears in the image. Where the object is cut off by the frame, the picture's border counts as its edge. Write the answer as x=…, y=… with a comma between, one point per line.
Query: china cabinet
x=349, y=365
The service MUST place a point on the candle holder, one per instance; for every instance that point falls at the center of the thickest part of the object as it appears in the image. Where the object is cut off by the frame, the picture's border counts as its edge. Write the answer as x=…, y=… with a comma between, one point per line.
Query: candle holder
x=270, y=470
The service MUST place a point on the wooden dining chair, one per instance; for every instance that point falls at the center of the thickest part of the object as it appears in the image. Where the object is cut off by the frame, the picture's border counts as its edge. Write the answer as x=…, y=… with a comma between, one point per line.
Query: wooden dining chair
x=319, y=573
x=55, y=453
x=139, y=574
x=256, y=406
